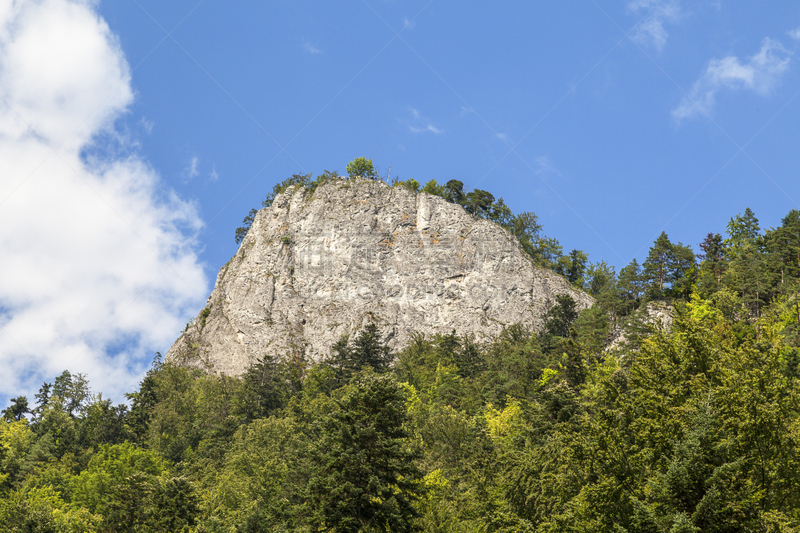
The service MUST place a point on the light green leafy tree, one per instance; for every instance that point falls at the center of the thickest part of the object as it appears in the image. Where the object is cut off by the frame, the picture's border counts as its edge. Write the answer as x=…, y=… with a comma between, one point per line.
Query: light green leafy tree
x=361, y=167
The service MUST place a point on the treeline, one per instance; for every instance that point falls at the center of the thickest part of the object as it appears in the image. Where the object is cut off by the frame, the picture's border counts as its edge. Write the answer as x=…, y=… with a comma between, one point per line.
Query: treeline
x=347, y=444
x=695, y=428
x=742, y=271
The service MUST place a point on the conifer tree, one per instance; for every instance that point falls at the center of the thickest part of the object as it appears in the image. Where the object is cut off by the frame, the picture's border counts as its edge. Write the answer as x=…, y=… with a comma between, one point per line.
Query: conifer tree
x=655, y=271
x=362, y=475
x=712, y=263
x=630, y=286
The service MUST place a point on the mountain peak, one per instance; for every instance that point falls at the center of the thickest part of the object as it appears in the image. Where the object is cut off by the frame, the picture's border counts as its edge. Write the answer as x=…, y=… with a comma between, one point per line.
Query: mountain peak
x=320, y=264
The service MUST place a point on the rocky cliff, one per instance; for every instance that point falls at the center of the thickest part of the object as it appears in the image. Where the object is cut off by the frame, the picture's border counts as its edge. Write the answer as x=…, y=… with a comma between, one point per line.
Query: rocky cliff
x=315, y=266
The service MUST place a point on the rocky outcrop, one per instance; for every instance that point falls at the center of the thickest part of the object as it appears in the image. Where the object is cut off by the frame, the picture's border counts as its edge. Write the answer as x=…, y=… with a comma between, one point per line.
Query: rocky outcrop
x=653, y=316
x=315, y=266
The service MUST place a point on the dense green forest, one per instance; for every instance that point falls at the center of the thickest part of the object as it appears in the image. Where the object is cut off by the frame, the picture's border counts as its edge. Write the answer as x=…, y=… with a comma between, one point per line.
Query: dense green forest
x=605, y=421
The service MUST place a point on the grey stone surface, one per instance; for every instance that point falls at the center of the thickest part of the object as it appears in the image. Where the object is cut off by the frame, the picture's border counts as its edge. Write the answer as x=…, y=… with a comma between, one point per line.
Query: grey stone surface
x=316, y=266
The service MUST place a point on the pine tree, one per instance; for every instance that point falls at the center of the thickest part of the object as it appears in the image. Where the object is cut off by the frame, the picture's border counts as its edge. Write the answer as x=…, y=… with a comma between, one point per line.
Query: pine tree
x=749, y=268
x=367, y=351
x=712, y=263
x=630, y=287
x=362, y=474
x=655, y=271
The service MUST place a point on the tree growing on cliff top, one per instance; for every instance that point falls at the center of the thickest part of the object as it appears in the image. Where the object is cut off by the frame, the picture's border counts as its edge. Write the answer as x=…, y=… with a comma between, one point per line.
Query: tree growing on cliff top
x=361, y=167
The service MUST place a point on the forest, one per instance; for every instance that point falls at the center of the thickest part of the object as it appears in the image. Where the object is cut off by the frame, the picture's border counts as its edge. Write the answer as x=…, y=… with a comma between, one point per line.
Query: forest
x=604, y=421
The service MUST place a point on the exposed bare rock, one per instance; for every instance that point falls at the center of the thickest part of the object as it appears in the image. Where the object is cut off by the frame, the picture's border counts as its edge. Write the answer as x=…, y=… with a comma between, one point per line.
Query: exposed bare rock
x=316, y=266
x=655, y=315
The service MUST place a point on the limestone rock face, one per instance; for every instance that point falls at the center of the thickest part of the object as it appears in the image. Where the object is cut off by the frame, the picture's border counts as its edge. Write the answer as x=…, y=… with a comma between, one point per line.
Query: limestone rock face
x=315, y=266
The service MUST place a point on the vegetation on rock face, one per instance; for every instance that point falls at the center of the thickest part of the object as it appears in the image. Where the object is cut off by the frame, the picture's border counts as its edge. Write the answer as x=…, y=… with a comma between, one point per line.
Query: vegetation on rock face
x=361, y=167
x=302, y=180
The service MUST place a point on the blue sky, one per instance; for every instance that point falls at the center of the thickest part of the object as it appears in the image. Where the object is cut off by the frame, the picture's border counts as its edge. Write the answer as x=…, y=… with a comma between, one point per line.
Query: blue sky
x=601, y=117
x=611, y=120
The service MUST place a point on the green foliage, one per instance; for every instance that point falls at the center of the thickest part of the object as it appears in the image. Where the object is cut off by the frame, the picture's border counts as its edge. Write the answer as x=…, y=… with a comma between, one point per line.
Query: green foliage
x=73, y=390
x=412, y=185
x=103, y=423
x=668, y=269
x=573, y=267
x=367, y=351
x=361, y=167
x=434, y=188
x=241, y=232
x=204, y=314
x=561, y=316
x=17, y=409
x=363, y=477
x=693, y=427
x=299, y=180
x=268, y=385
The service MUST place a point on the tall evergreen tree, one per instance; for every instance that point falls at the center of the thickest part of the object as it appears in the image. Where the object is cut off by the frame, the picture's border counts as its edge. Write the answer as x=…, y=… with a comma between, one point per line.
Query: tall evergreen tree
x=16, y=411
x=668, y=269
x=630, y=287
x=712, y=263
x=367, y=351
x=655, y=271
x=362, y=474
x=749, y=272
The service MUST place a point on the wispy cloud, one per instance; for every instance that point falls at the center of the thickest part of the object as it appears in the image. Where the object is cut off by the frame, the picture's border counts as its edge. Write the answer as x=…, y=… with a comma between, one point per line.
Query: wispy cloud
x=420, y=124
x=147, y=125
x=545, y=167
x=466, y=111
x=503, y=137
x=213, y=176
x=310, y=48
x=795, y=34
x=408, y=24
x=758, y=73
x=192, y=171
x=651, y=30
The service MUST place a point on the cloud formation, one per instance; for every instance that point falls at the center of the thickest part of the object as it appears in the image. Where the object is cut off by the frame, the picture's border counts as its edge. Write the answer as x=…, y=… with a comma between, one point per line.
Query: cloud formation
x=310, y=48
x=658, y=13
x=96, y=272
x=758, y=73
x=192, y=171
x=545, y=167
x=420, y=124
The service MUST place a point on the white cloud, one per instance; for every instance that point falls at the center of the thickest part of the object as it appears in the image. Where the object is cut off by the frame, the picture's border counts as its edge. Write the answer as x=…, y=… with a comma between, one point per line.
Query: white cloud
x=420, y=124
x=795, y=34
x=96, y=273
x=657, y=13
x=191, y=171
x=310, y=48
x=408, y=24
x=545, y=167
x=758, y=73
x=147, y=125
x=503, y=137
x=213, y=176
